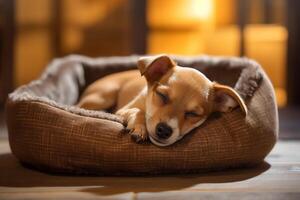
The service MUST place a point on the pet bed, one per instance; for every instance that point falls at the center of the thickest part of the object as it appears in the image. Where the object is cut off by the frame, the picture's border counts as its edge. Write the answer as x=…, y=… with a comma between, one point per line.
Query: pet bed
x=47, y=132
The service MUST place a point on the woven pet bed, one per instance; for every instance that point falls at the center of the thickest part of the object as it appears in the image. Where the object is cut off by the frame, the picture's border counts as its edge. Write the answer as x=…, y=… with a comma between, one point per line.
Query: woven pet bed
x=47, y=132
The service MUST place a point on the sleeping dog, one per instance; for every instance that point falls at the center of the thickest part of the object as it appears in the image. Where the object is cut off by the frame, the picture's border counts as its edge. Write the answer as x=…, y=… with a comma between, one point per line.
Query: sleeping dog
x=166, y=104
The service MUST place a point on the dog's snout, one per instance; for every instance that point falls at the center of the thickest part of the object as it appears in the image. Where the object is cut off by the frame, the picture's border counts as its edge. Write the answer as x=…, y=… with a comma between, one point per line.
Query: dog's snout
x=163, y=130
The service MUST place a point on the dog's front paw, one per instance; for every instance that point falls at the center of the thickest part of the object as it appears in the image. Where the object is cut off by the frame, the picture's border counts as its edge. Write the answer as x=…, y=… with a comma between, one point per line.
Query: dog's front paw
x=134, y=120
x=139, y=133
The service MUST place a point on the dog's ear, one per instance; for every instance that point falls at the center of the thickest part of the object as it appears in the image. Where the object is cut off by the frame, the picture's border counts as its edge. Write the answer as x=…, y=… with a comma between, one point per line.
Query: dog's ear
x=226, y=98
x=154, y=67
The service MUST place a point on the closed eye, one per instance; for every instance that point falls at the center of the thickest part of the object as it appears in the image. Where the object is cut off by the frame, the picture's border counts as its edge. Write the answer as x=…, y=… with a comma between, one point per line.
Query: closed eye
x=189, y=114
x=163, y=97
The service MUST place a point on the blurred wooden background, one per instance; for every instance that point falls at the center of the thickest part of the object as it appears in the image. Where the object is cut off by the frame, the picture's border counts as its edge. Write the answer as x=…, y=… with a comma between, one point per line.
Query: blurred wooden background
x=40, y=30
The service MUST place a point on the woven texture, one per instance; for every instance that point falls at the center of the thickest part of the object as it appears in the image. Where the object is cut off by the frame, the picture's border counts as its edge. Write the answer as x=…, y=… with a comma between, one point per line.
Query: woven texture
x=47, y=132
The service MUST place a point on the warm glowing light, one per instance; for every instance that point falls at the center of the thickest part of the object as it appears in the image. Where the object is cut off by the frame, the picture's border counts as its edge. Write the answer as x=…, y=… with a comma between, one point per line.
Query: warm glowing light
x=179, y=26
x=178, y=13
x=201, y=9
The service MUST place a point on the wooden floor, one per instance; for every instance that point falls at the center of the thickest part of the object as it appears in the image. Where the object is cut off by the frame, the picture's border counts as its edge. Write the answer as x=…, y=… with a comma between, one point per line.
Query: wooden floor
x=277, y=178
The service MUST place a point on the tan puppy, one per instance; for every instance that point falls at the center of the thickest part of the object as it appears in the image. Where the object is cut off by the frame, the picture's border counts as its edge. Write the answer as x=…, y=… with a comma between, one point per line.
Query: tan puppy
x=166, y=105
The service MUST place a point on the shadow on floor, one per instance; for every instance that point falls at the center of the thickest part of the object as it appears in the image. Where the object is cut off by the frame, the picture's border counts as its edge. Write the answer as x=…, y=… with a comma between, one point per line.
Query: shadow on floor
x=13, y=174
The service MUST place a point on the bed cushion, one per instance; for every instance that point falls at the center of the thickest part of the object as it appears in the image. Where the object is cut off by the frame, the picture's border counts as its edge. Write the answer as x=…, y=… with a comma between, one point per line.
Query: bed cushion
x=47, y=132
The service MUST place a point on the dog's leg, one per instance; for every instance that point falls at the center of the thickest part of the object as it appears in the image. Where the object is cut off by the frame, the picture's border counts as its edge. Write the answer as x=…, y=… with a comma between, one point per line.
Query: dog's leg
x=135, y=123
x=134, y=116
x=102, y=100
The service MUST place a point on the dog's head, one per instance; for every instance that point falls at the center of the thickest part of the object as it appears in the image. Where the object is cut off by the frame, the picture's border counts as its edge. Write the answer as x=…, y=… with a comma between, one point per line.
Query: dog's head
x=180, y=99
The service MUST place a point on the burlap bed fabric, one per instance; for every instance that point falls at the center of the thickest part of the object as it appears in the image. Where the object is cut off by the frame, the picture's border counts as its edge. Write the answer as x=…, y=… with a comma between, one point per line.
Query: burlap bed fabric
x=47, y=132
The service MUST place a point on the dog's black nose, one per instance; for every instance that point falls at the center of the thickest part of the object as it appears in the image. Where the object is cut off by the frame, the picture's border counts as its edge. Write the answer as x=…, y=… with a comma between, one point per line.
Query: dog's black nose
x=163, y=130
